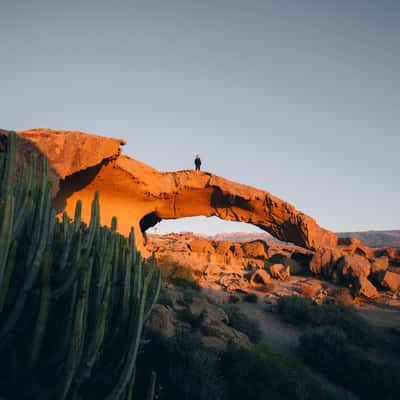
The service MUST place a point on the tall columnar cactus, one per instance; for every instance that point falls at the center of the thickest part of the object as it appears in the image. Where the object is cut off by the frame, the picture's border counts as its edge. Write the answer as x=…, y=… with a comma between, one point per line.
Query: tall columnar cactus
x=73, y=298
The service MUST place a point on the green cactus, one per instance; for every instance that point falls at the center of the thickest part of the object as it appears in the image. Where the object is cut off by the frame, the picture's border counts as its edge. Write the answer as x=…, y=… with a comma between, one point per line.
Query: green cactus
x=73, y=299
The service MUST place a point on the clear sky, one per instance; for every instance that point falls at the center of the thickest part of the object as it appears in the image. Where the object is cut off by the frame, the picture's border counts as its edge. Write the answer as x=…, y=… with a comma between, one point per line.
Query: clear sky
x=300, y=98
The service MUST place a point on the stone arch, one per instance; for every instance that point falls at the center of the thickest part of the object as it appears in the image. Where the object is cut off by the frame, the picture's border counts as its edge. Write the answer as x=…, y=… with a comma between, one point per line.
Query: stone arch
x=140, y=196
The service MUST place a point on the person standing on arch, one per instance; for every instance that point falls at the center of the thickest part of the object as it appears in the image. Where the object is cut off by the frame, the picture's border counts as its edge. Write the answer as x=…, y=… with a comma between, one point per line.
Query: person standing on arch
x=197, y=162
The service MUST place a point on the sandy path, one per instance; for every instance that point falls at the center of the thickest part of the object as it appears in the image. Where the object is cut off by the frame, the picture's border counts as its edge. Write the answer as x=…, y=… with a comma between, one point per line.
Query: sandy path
x=282, y=337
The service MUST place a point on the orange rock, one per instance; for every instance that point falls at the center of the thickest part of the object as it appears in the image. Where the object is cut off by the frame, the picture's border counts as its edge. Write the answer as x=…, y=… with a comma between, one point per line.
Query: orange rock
x=390, y=280
x=255, y=249
x=363, y=287
x=324, y=261
x=260, y=276
x=353, y=266
x=141, y=196
x=380, y=264
x=280, y=271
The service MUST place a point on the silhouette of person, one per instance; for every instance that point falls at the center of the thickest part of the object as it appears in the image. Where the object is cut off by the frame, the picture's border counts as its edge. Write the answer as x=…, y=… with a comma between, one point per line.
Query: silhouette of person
x=197, y=162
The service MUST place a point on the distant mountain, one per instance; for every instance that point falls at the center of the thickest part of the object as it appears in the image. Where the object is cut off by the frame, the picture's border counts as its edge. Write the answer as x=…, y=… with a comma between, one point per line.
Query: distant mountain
x=369, y=238
x=376, y=238
x=244, y=237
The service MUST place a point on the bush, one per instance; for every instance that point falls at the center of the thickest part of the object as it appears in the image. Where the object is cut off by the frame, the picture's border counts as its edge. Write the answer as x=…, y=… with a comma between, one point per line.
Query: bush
x=164, y=297
x=242, y=323
x=179, y=274
x=185, y=369
x=251, y=298
x=331, y=352
x=233, y=299
x=260, y=374
x=302, y=311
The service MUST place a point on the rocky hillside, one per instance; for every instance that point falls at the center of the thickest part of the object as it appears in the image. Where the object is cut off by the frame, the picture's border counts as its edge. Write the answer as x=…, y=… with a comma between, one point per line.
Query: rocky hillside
x=243, y=267
x=376, y=238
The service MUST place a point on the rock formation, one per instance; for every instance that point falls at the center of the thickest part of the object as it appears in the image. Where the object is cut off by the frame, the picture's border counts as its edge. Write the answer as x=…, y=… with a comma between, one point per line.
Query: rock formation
x=140, y=196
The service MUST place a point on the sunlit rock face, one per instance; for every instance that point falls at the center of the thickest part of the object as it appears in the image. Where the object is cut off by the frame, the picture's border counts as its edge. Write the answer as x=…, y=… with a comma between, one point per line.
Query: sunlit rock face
x=141, y=196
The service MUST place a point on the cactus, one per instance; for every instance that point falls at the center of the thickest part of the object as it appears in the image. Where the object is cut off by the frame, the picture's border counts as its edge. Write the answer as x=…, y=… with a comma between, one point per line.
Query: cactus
x=152, y=386
x=73, y=298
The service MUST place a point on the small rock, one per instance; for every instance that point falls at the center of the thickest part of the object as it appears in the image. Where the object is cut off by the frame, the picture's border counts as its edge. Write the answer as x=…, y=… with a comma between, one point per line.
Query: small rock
x=379, y=264
x=161, y=321
x=390, y=280
x=279, y=271
x=260, y=277
x=354, y=266
x=363, y=287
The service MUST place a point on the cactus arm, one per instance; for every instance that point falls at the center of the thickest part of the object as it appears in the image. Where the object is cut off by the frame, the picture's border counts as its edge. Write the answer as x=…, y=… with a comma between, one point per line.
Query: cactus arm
x=152, y=386
x=5, y=234
x=97, y=340
x=43, y=312
x=155, y=295
x=136, y=326
x=7, y=276
x=9, y=170
x=77, y=333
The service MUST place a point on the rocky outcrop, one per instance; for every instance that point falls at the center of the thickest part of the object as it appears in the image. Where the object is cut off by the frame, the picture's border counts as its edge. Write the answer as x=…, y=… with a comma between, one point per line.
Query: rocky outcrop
x=280, y=271
x=140, y=196
x=354, y=266
x=390, y=280
x=69, y=152
x=363, y=287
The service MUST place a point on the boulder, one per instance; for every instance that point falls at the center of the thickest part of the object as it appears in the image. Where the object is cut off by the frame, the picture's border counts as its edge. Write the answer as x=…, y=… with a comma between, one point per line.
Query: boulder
x=218, y=344
x=324, y=261
x=350, y=244
x=390, y=280
x=363, y=287
x=223, y=248
x=213, y=319
x=379, y=264
x=255, y=249
x=280, y=271
x=237, y=250
x=310, y=289
x=260, y=277
x=278, y=258
x=353, y=266
x=161, y=321
x=195, y=309
x=203, y=246
x=217, y=333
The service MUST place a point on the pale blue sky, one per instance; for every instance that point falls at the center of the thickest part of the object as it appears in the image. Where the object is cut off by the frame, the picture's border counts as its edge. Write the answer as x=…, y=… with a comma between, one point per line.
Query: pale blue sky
x=300, y=97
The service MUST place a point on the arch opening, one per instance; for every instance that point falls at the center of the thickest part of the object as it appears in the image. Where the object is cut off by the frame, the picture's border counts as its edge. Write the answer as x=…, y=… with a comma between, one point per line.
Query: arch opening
x=212, y=227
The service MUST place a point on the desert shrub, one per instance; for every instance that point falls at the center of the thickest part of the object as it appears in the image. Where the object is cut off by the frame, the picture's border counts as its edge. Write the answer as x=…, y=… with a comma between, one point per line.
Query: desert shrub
x=259, y=374
x=233, y=299
x=164, y=297
x=190, y=293
x=179, y=274
x=302, y=311
x=185, y=368
x=251, y=298
x=296, y=309
x=242, y=323
x=331, y=352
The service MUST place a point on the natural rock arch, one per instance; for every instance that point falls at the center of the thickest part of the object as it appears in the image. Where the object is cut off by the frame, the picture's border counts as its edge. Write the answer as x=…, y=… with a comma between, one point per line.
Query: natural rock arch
x=140, y=196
